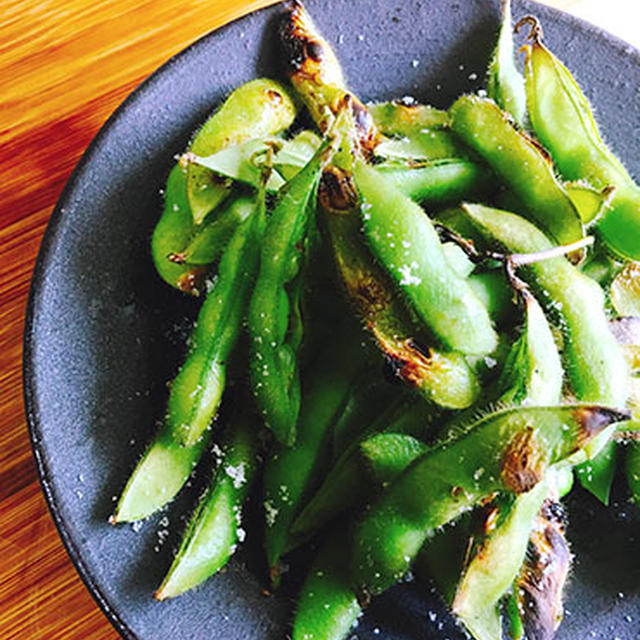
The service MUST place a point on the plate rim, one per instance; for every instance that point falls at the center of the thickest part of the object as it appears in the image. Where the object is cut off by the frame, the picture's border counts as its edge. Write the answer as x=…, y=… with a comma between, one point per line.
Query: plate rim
x=30, y=394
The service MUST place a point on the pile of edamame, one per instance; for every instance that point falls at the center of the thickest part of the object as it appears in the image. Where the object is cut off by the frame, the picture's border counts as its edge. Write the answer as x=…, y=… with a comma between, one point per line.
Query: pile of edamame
x=441, y=315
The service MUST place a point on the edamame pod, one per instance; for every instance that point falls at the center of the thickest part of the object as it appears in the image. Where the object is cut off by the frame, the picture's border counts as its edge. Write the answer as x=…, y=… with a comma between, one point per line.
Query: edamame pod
x=172, y=233
x=215, y=529
x=507, y=451
x=316, y=75
x=546, y=569
x=407, y=246
x=563, y=121
x=594, y=362
x=505, y=84
x=331, y=499
x=519, y=163
x=405, y=118
x=290, y=472
x=158, y=477
x=197, y=389
x=438, y=182
x=495, y=564
x=257, y=109
x=212, y=236
x=273, y=360
x=443, y=378
x=327, y=605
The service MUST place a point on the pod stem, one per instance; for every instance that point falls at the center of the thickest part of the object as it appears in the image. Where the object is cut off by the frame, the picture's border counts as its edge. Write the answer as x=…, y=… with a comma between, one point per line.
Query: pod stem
x=536, y=35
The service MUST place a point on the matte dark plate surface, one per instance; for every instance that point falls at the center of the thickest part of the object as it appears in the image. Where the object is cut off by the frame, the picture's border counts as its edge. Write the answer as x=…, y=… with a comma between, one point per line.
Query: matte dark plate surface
x=104, y=334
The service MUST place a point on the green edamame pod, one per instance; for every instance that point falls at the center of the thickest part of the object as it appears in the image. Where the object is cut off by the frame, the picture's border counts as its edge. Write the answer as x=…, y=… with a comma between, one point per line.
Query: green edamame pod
x=273, y=363
x=291, y=472
x=368, y=398
x=408, y=248
x=507, y=451
x=164, y=468
x=532, y=373
x=438, y=182
x=594, y=362
x=213, y=235
x=443, y=378
x=331, y=499
x=172, y=233
x=398, y=118
x=632, y=470
x=519, y=163
x=327, y=605
x=505, y=84
x=257, y=109
x=215, y=529
x=601, y=268
x=625, y=290
x=387, y=455
x=563, y=121
x=496, y=295
x=197, y=389
x=493, y=568
x=296, y=153
x=417, y=132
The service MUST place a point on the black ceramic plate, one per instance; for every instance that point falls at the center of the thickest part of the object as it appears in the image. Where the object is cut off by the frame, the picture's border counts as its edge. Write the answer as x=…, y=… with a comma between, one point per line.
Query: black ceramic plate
x=103, y=334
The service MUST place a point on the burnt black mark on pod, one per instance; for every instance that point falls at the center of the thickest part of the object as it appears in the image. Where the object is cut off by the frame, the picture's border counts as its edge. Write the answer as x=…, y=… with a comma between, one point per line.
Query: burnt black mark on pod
x=544, y=573
x=297, y=38
x=523, y=463
x=337, y=192
x=594, y=419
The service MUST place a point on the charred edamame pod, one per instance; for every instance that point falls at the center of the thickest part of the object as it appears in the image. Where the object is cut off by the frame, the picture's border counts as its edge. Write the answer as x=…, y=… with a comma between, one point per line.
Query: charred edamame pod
x=594, y=363
x=507, y=451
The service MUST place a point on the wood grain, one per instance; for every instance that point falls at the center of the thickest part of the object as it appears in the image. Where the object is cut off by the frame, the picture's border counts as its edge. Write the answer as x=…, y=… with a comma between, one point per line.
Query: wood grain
x=64, y=67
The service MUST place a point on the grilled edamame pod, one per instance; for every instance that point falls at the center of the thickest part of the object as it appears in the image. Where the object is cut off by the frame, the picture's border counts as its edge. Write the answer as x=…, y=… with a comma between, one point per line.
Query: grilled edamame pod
x=563, y=121
x=484, y=127
x=407, y=247
x=315, y=73
x=594, y=363
x=274, y=343
x=512, y=447
x=257, y=109
x=505, y=84
x=539, y=587
x=214, y=529
x=443, y=378
x=196, y=391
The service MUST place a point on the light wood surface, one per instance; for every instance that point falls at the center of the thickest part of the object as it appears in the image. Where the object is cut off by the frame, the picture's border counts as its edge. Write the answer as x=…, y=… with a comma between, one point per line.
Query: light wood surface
x=64, y=67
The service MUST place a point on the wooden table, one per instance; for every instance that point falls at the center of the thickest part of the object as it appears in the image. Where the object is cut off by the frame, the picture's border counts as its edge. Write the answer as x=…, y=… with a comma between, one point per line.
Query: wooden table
x=64, y=67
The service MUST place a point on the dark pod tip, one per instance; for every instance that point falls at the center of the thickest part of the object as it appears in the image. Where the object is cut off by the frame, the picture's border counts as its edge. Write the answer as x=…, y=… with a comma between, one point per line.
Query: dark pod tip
x=595, y=418
x=297, y=37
